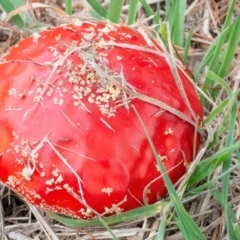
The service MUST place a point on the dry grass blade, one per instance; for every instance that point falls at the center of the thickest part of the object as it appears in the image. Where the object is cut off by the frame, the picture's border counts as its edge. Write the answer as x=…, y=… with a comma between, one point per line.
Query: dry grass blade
x=2, y=225
x=208, y=139
x=89, y=58
x=44, y=225
x=26, y=7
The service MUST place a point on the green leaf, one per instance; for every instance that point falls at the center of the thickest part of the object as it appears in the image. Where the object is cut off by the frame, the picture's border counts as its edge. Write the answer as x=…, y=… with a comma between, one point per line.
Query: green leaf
x=68, y=6
x=202, y=169
x=132, y=12
x=101, y=11
x=210, y=182
x=230, y=49
x=237, y=230
x=149, y=11
x=227, y=165
x=138, y=213
x=216, y=111
x=190, y=230
x=223, y=36
x=114, y=10
x=9, y=7
x=188, y=44
x=211, y=75
x=161, y=229
x=95, y=15
x=177, y=15
x=221, y=60
x=186, y=224
x=230, y=217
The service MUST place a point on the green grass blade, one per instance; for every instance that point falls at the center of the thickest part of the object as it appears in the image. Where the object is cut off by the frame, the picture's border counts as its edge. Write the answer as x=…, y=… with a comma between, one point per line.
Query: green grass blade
x=68, y=6
x=114, y=10
x=186, y=224
x=210, y=183
x=229, y=52
x=188, y=44
x=217, y=60
x=214, y=65
x=138, y=213
x=162, y=225
x=231, y=218
x=229, y=14
x=237, y=230
x=218, y=196
x=169, y=12
x=238, y=154
x=220, y=107
x=201, y=170
x=227, y=164
x=216, y=136
x=216, y=111
x=189, y=230
x=149, y=11
x=8, y=7
x=209, y=54
x=178, y=18
x=157, y=16
x=132, y=12
x=214, y=77
x=222, y=129
x=231, y=48
x=22, y=20
x=108, y=229
x=100, y=10
x=95, y=15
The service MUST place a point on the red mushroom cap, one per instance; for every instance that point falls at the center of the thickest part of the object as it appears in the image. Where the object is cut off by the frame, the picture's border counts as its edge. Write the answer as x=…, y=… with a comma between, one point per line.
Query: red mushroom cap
x=70, y=141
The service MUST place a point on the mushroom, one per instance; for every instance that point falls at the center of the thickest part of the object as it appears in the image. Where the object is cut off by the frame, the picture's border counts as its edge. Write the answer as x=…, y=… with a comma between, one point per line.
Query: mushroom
x=70, y=139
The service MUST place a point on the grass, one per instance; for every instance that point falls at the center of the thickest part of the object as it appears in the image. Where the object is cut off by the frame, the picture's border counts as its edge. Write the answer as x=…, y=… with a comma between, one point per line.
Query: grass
x=210, y=186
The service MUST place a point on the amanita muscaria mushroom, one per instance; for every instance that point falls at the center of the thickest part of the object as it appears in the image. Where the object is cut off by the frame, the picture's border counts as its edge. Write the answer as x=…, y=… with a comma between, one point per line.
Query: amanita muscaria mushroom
x=70, y=140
